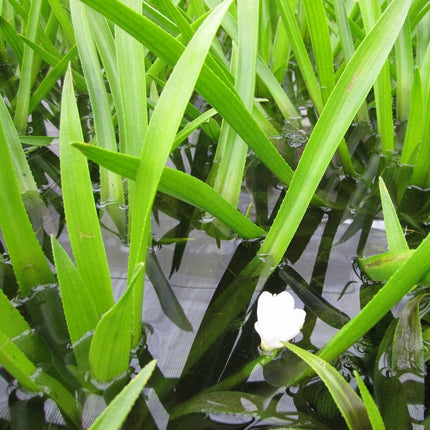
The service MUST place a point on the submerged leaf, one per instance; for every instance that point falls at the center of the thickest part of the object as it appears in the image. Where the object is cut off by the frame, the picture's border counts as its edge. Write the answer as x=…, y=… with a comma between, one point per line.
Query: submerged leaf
x=168, y=301
x=312, y=300
x=408, y=348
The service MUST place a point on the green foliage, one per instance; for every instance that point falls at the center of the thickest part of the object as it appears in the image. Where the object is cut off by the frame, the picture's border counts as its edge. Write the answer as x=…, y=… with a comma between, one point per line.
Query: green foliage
x=114, y=415
x=352, y=408
x=262, y=82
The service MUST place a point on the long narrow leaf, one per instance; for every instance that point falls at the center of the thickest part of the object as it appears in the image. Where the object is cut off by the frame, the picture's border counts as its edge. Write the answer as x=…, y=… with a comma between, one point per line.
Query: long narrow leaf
x=371, y=10
x=80, y=310
x=32, y=378
x=414, y=130
x=369, y=403
x=15, y=327
x=399, y=284
x=28, y=261
x=26, y=69
x=111, y=343
x=300, y=53
x=382, y=266
x=395, y=236
x=51, y=79
x=343, y=104
x=231, y=164
x=25, y=178
x=179, y=185
x=265, y=74
x=318, y=29
x=211, y=86
x=111, y=184
x=346, y=399
x=81, y=215
x=116, y=412
x=158, y=142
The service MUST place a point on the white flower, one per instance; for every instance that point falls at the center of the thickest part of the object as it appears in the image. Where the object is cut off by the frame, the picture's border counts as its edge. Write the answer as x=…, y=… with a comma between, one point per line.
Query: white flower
x=277, y=320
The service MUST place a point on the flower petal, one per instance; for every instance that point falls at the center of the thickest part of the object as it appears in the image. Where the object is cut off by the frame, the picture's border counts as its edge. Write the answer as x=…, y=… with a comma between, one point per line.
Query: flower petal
x=265, y=306
x=284, y=301
x=278, y=321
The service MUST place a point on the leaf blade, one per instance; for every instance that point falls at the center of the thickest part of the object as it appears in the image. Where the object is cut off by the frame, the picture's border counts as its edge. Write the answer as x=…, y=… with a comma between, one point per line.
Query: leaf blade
x=116, y=412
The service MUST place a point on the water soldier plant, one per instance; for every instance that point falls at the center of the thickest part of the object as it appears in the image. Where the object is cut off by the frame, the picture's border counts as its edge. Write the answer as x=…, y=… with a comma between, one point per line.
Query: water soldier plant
x=255, y=123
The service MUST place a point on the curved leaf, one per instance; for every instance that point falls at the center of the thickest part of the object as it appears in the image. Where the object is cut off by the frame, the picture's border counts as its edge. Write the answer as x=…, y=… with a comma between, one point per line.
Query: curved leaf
x=116, y=412
x=347, y=400
x=111, y=343
x=179, y=185
x=211, y=86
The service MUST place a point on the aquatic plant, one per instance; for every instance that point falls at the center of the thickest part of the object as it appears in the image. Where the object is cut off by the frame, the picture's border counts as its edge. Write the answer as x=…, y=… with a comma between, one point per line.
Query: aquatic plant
x=295, y=94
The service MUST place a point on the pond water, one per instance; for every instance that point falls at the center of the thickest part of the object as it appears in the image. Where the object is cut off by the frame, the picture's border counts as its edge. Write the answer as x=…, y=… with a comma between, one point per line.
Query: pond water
x=193, y=262
x=203, y=264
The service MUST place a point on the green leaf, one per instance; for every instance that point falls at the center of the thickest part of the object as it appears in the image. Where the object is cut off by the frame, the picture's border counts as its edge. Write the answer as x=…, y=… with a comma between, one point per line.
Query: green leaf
x=11, y=321
x=300, y=53
x=180, y=185
x=395, y=236
x=17, y=364
x=111, y=189
x=26, y=68
x=371, y=11
x=369, y=403
x=64, y=20
x=264, y=72
x=81, y=216
x=111, y=343
x=313, y=301
x=10, y=35
x=405, y=71
x=399, y=284
x=168, y=301
x=408, y=347
x=414, y=130
x=15, y=327
x=33, y=379
x=51, y=79
x=164, y=124
x=389, y=391
x=231, y=153
x=211, y=86
x=347, y=400
x=28, y=261
x=339, y=111
x=116, y=412
x=25, y=178
x=321, y=44
x=52, y=59
x=79, y=308
x=163, y=127
x=382, y=266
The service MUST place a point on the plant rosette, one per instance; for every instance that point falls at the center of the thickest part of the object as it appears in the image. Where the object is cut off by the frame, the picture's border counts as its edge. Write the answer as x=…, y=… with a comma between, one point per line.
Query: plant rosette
x=277, y=319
